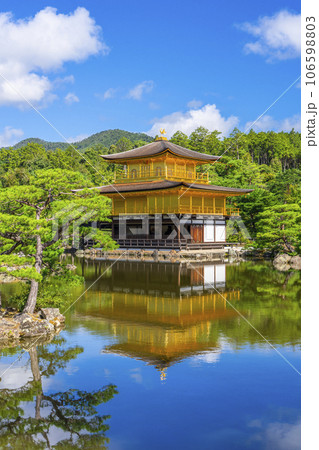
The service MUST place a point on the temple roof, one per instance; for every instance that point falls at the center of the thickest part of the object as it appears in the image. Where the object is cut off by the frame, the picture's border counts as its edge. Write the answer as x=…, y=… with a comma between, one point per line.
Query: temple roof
x=157, y=185
x=157, y=147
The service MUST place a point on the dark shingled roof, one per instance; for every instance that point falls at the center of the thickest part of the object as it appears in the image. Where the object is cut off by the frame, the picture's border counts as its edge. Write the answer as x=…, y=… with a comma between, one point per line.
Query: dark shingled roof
x=157, y=185
x=157, y=147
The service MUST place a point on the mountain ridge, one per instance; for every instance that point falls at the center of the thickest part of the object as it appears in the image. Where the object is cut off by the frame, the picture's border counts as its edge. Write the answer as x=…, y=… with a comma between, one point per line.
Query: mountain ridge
x=104, y=138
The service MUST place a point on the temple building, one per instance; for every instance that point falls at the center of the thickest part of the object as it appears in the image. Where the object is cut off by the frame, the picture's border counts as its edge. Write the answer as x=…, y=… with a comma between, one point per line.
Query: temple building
x=162, y=198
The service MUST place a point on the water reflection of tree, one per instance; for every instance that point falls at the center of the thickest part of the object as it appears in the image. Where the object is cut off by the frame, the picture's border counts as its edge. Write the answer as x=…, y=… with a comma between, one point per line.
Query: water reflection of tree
x=72, y=412
x=258, y=281
x=269, y=299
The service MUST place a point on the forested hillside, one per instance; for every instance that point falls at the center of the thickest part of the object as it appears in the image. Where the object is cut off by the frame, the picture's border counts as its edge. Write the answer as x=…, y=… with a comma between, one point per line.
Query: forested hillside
x=105, y=138
x=267, y=162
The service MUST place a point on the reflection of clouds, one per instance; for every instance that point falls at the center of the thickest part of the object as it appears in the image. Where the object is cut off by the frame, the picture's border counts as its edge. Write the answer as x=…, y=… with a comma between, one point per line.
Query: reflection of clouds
x=18, y=376
x=226, y=343
x=255, y=423
x=136, y=375
x=277, y=435
x=107, y=372
x=207, y=357
x=15, y=377
x=71, y=370
x=56, y=435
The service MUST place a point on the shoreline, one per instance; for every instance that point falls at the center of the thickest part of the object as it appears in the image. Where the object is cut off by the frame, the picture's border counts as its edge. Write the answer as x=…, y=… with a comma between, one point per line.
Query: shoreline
x=281, y=262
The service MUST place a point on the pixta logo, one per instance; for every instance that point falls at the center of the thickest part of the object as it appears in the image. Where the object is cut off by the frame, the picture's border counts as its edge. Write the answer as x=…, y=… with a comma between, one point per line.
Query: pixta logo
x=159, y=231
x=74, y=226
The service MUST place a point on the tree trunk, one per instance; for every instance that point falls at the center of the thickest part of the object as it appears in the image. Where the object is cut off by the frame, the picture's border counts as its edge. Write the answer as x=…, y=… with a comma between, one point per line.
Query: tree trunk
x=35, y=369
x=33, y=294
x=32, y=297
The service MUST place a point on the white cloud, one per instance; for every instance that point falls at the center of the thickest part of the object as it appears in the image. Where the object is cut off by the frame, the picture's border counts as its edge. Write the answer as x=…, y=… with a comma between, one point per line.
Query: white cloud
x=65, y=80
x=109, y=93
x=71, y=98
x=10, y=136
x=153, y=105
x=38, y=45
x=194, y=104
x=77, y=138
x=208, y=116
x=278, y=36
x=267, y=123
x=137, y=91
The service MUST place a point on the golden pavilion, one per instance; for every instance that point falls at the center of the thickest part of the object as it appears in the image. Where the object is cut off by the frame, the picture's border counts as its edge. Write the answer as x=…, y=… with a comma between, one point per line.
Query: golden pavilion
x=162, y=198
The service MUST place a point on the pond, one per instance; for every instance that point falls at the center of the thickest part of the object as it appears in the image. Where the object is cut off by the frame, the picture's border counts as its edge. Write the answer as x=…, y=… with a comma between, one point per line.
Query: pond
x=162, y=355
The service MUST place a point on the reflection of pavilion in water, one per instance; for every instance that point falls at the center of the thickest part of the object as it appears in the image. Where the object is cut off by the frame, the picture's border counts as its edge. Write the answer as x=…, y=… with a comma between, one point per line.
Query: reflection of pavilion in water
x=161, y=313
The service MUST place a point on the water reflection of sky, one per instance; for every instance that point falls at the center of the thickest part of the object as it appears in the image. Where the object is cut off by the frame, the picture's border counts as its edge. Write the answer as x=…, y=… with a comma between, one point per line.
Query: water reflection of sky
x=232, y=392
x=212, y=400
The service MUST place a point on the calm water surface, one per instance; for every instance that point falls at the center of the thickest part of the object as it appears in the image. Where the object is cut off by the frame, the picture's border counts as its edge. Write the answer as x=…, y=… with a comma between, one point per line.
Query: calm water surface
x=154, y=357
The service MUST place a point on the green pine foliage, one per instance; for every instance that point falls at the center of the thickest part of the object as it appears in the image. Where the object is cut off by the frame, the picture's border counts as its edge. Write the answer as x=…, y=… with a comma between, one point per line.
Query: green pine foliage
x=36, y=223
x=279, y=228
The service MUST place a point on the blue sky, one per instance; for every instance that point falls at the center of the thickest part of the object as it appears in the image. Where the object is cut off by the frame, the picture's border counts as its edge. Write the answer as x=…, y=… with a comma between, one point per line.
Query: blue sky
x=142, y=65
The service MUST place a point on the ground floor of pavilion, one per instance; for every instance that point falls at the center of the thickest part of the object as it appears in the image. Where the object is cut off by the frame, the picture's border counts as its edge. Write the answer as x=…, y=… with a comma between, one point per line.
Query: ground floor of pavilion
x=169, y=231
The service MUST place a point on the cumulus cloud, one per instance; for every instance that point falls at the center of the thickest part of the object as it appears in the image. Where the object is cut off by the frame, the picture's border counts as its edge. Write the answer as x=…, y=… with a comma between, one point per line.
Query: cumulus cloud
x=71, y=98
x=194, y=104
x=208, y=116
x=277, y=36
x=10, y=136
x=77, y=138
x=137, y=91
x=39, y=45
x=109, y=93
x=64, y=80
x=268, y=123
x=153, y=105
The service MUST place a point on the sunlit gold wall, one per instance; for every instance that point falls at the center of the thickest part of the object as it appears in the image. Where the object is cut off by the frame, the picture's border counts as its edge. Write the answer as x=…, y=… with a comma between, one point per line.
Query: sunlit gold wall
x=164, y=202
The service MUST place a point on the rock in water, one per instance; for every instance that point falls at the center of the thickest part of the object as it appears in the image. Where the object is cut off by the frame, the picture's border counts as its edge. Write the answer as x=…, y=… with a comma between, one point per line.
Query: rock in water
x=23, y=325
x=281, y=262
x=295, y=262
x=9, y=330
x=282, y=259
x=53, y=315
x=31, y=325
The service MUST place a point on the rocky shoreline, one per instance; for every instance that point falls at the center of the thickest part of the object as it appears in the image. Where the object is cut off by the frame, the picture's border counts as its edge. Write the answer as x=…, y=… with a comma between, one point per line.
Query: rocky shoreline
x=282, y=262
x=153, y=255
x=16, y=326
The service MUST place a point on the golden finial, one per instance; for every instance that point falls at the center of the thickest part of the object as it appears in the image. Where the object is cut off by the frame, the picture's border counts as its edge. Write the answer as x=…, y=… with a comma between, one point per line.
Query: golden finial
x=162, y=137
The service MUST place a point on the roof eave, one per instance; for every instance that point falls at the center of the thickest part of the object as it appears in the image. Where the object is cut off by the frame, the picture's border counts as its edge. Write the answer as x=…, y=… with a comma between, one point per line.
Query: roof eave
x=207, y=159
